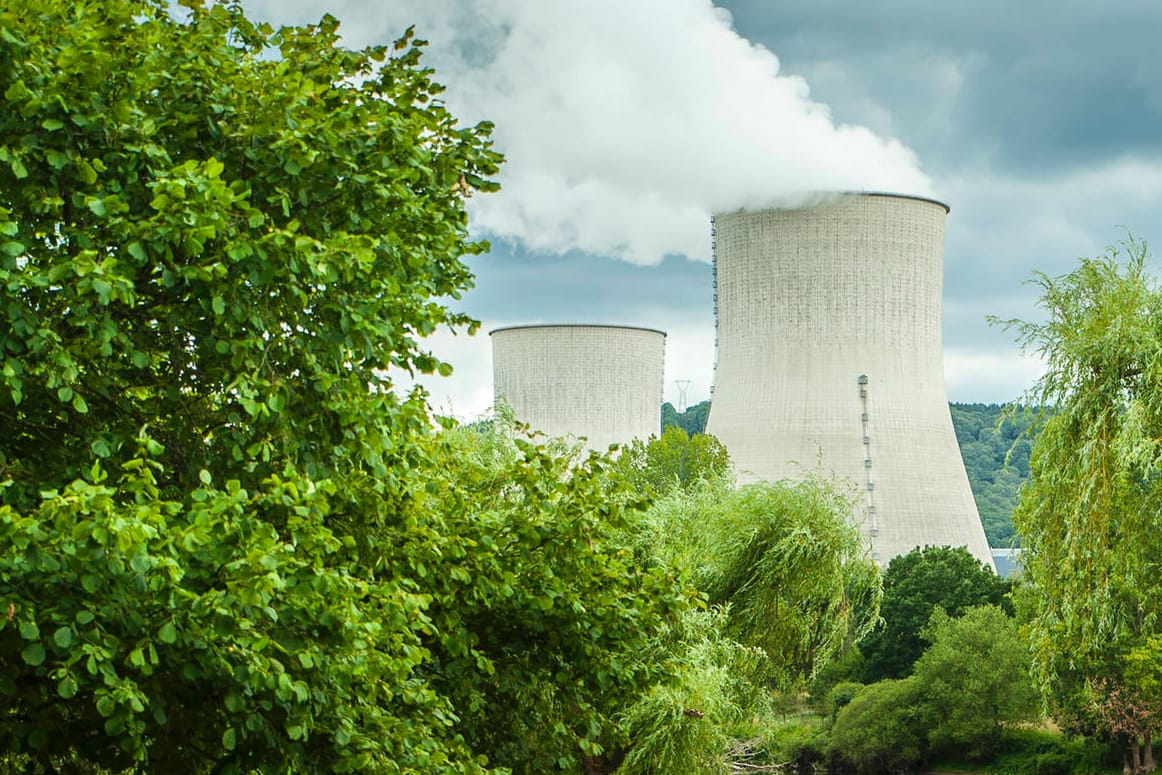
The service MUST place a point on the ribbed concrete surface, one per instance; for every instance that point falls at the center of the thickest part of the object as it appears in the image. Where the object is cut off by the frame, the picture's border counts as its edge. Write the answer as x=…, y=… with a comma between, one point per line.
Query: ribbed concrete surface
x=603, y=383
x=829, y=358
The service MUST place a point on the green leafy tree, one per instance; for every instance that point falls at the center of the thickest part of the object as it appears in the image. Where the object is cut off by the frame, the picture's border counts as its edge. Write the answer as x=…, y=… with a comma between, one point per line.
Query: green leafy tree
x=673, y=460
x=693, y=420
x=685, y=724
x=788, y=585
x=542, y=618
x=914, y=585
x=783, y=557
x=976, y=681
x=1089, y=517
x=215, y=238
x=995, y=443
x=224, y=245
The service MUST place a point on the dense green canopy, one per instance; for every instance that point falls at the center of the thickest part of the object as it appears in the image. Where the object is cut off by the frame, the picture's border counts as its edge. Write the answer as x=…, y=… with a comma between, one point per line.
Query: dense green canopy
x=1089, y=517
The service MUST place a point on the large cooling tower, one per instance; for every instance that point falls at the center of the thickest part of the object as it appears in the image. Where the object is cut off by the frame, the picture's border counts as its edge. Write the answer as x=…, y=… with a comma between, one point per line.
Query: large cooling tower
x=603, y=383
x=829, y=359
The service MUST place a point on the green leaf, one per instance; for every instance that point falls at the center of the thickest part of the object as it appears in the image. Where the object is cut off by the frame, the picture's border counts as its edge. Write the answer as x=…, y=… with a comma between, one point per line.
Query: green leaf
x=67, y=688
x=137, y=250
x=12, y=248
x=79, y=404
x=63, y=637
x=97, y=206
x=168, y=633
x=18, y=169
x=106, y=705
x=52, y=124
x=29, y=630
x=229, y=739
x=64, y=393
x=33, y=654
x=88, y=174
x=219, y=305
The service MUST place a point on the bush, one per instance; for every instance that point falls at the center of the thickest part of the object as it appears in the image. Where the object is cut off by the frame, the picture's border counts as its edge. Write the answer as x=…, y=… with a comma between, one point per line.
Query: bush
x=1044, y=752
x=880, y=731
x=844, y=668
x=838, y=698
x=800, y=745
x=682, y=726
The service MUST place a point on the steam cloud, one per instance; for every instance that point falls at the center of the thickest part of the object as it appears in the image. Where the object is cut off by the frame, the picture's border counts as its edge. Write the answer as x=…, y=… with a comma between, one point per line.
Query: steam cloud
x=625, y=124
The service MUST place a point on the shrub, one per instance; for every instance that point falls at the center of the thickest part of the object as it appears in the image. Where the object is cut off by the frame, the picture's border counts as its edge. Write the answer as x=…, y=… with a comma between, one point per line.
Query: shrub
x=880, y=730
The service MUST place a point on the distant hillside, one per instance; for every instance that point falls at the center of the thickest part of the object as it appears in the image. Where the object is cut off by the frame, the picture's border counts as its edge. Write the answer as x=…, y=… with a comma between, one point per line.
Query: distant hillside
x=982, y=445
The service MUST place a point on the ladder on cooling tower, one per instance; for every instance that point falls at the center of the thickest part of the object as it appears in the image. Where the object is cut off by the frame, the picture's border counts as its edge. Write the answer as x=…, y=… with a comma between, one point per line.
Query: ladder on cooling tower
x=714, y=286
x=873, y=529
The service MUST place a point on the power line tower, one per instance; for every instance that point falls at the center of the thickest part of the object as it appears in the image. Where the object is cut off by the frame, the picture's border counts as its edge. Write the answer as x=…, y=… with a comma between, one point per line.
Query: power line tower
x=683, y=387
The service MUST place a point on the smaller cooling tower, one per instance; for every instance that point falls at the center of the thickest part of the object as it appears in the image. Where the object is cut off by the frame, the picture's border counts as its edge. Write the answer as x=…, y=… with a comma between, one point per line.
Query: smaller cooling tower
x=600, y=382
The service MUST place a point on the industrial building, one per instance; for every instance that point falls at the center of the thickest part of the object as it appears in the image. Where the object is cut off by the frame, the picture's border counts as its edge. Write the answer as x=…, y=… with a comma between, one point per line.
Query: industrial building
x=829, y=359
x=598, y=382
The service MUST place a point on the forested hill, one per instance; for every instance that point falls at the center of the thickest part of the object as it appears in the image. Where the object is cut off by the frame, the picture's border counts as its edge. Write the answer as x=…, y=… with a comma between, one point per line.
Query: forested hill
x=983, y=446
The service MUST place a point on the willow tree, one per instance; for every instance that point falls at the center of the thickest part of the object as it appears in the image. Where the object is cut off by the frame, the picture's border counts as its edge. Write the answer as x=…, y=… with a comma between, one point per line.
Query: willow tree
x=1090, y=518
x=782, y=557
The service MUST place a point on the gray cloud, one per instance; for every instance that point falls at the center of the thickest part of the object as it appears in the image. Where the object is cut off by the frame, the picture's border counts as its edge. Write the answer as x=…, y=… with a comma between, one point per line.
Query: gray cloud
x=1029, y=86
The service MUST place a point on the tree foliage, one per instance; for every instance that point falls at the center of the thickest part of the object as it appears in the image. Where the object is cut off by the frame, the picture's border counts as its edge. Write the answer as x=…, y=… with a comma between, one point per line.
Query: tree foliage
x=975, y=680
x=914, y=585
x=225, y=543
x=220, y=231
x=692, y=420
x=881, y=730
x=969, y=688
x=674, y=460
x=683, y=725
x=1089, y=518
x=994, y=444
x=782, y=556
x=543, y=618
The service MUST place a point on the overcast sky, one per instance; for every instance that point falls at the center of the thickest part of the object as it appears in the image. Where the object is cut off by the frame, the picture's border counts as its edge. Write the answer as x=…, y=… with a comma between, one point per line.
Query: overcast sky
x=626, y=123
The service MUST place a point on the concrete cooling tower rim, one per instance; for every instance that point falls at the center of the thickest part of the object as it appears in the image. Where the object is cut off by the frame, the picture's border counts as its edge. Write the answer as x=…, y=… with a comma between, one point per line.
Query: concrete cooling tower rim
x=814, y=198
x=576, y=325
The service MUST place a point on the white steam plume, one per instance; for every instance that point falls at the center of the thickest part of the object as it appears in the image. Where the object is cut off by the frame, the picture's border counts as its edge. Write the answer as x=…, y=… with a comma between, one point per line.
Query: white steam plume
x=625, y=124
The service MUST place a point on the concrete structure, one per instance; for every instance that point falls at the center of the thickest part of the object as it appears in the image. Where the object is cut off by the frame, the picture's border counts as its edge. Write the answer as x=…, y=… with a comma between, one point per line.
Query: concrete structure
x=603, y=383
x=829, y=358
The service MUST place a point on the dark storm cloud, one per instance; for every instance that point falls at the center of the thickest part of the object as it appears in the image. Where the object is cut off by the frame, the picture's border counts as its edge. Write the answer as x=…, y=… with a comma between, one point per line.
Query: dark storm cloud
x=1034, y=86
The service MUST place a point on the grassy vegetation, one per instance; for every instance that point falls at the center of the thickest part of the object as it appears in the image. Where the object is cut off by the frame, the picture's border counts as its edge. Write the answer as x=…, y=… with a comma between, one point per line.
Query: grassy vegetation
x=1042, y=751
